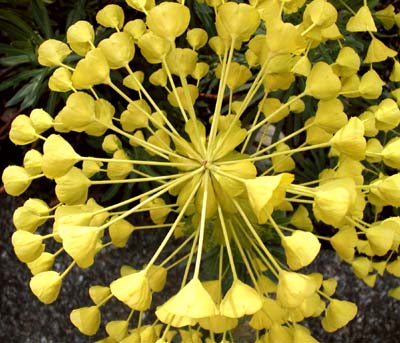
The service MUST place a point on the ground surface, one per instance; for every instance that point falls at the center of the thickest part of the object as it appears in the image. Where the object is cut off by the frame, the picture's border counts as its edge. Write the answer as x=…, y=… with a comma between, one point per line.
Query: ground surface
x=23, y=319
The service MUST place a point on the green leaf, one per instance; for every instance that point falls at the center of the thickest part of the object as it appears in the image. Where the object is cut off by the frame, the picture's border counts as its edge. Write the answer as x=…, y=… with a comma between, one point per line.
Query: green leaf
x=15, y=60
x=14, y=80
x=15, y=27
x=41, y=17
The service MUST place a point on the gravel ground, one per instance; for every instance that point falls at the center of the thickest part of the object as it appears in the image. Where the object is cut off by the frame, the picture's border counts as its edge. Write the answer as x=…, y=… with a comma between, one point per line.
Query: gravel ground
x=23, y=319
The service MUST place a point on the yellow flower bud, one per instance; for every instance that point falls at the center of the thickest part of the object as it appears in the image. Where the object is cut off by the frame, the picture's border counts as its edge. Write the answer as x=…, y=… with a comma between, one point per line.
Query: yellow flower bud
x=136, y=28
x=136, y=116
x=197, y=38
x=52, y=53
x=133, y=290
x=119, y=170
x=240, y=300
x=41, y=120
x=80, y=37
x=22, y=131
x=118, y=49
x=86, y=319
x=91, y=70
x=72, y=188
x=27, y=246
x=60, y=80
x=301, y=248
x=168, y=20
x=43, y=263
x=16, y=180
x=33, y=162
x=58, y=156
x=80, y=242
x=322, y=82
x=362, y=21
x=99, y=293
x=120, y=232
x=338, y=314
x=111, y=16
x=46, y=286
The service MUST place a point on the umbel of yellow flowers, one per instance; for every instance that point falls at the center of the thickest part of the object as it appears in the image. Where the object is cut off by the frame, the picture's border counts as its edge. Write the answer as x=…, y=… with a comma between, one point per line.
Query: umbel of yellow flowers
x=217, y=183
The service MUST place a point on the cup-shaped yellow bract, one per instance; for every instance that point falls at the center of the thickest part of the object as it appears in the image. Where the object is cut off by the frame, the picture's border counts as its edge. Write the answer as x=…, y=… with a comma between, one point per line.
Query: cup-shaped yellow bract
x=58, y=156
x=186, y=101
x=86, y=319
x=118, y=170
x=27, y=246
x=135, y=116
x=99, y=293
x=391, y=153
x=378, y=51
x=240, y=300
x=172, y=319
x=118, y=49
x=117, y=329
x=133, y=290
x=265, y=192
x=191, y=301
x=293, y=288
x=301, y=248
x=104, y=113
x=330, y=115
x=371, y=84
x=16, y=180
x=344, y=243
x=72, y=188
x=60, y=80
x=218, y=323
x=92, y=70
x=120, y=232
x=338, y=314
x=362, y=21
x=157, y=277
x=387, y=115
x=141, y=5
x=197, y=38
x=154, y=48
x=238, y=75
x=136, y=28
x=80, y=37
x=388, y=190
x=322, y=82
x=41, y=120
x=43, y=263
x=27, y=219
x=301, y=219
x=80, y=242
x=181, y=62
x=111, y=16
x=168, y=20
x=348, y=61
x=46, y=286
x=271, y=312
x=79, y=111
x=134, y=80
x=52, y=52
x=236, y=22
x=320, y=13
x=22, y=131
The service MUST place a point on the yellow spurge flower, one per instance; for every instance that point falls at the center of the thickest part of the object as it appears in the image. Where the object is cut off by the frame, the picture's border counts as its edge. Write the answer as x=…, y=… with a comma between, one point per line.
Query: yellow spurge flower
x=29, y=216
x=33, y=162
x=119, y=170
x=320, y=13
x=58, y=157
x=80, y=37
x=197, y=38
x=118, y=49
x=16, y=180
x=136, y=115
x=133, y=290
x=120, y=232
x=240, y=300
x=378, y=51
x=60, y=80
x=361, y=266
x=22, y=131
x=43, y=263
x=141, y=5
x=394, y=293
x=52, y=53
x=338, y=314
x=236, y=22
x=266, y=192
x=191, y=301
x=154, y=48
x=46, y=286
x=293, y=288
x=271, y=312
x=200, y=70
x=216, y=43
x=168, y=20
x=301, y=248
x=218, y=323
x=373, y=154
x=302, y=335
x=117, y=329
x=387, y=115
x=302, y=66
x=301, y=219
x=136, y=28
x=238, y=75
x=329, y=286
x=181, y=62
x=394, y=267
x=111, y=143
x=72, y=188
x=349, y=140
x=279, y=333
x=322, y=83
x=85, y=76
x=371, y=85
x=312, y=306
x=41, y=120
x=330, y=115
x=273, y=110
x=99, y=293
x=157, y=277
x=380, y=239
x=86, y=319
x=187, y=104
x=134, y=80
x=279, y=33
x=387, y=16
x=172, y=319
x=395, y=73
x=27, y=246
x=362, y=21
x=348, y=61
x=111, y=16
x=344, y=243
x=80, y=242
x=388, y=188
x=283, y=163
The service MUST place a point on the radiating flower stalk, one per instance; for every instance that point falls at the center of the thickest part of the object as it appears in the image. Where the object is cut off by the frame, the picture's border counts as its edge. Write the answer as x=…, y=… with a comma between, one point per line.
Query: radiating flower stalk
x=230, y=186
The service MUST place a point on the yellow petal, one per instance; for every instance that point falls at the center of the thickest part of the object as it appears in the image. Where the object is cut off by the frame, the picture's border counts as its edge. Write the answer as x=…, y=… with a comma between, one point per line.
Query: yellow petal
x=111, y=16
x=52, y=52
x=362, y=21
x=378, y=52
x=338, y=314
x=86, y=319
x=322, y=82
x=46, y=286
